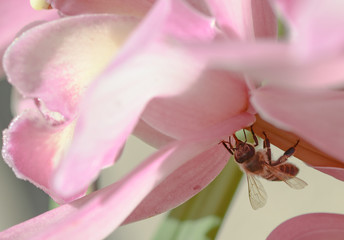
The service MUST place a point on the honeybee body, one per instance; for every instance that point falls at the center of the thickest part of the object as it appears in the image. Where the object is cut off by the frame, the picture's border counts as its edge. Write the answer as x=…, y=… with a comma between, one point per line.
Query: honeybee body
x=260, y=164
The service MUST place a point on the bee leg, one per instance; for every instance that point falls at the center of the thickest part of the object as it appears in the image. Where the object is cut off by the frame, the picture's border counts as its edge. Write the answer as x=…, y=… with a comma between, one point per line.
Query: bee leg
x=245, y=135
x=230, y=143
x=236, y=138
x=228, y=148
x=254, y=137
x=266, y=145
x=286, y=154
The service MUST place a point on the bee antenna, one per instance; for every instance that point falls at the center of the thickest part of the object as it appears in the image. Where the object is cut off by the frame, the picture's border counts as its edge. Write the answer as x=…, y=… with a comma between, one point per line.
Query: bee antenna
x=297, y=143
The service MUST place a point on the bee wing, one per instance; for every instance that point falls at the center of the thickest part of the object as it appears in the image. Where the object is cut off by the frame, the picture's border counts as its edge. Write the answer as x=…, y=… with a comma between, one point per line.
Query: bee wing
x=292, y=181
x=256, y=192
x=295, y=183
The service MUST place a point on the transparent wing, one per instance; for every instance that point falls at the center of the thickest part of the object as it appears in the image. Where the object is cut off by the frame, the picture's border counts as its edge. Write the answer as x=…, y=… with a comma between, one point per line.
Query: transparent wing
x=293, y=182
x=256, y=192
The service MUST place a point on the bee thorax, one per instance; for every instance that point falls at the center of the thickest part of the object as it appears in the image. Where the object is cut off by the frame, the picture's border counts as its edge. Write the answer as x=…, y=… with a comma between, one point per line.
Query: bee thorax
x=253, y=165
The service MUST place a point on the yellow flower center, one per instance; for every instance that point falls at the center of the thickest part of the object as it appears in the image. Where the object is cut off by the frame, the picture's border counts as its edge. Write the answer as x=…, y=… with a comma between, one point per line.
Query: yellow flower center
x=39, y=4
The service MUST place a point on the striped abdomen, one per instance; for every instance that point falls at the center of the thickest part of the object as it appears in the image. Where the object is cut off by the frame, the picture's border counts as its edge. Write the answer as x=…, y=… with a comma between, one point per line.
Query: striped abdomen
x=281, y=172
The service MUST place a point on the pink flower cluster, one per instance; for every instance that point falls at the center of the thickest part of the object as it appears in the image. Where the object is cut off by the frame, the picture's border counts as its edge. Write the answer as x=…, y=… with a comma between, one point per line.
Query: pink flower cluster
x=181, y=75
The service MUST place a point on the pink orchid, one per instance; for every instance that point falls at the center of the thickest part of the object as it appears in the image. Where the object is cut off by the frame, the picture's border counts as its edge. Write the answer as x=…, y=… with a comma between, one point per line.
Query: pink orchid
x=85, y=113
x=314, y=226
x=15, y=15
x=171, y=83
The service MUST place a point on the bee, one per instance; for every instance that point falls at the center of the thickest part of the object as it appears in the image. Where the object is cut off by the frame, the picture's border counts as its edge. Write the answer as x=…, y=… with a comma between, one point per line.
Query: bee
x=259, y=164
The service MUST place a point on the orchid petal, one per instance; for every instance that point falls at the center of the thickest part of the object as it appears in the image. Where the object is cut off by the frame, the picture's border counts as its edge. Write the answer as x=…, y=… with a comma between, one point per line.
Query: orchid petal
x=19, y=104
x=216, y=96
x=314, y=226
x=299, y=61
x=181, y=185
x=274, y=62
x=129, y=7
x=314, y=115
x=31, y=148
x=311, y=20
x=200, y=5
x=150, y=135
x=333, y=171
x=57, y=76
x=160, y=70
x=304, y=151
x=16, y=14
x=245, y=19
x=263, y=20
x=321, y=61
x=99, y=213
x=132, y=7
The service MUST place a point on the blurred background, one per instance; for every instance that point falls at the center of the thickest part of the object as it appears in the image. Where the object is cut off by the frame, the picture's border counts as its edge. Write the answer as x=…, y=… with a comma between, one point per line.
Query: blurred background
x=19, y=200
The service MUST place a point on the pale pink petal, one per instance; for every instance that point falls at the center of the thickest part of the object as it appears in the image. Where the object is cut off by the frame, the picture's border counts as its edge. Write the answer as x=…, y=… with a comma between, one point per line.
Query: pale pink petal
x=314, y=226
x=291, y=63
x=15, y=15
x=316, y=41
x=333, y=171
x=127, y=7
x=182, y=184
x=19, y=104
x=99, y=213
x=290, y=9
x=243, y=55
x=150, y=135
x=56, y=61
x=32, y=146
x=264, y=20
x=314, y=115
x=300, y=60
x=310, y=20
x=275, y=62
x=216, y=96
x=245, y=19
x=116, y=99
x=200, y=5
x=305, y=72
x=177, y=21
x=305, y=151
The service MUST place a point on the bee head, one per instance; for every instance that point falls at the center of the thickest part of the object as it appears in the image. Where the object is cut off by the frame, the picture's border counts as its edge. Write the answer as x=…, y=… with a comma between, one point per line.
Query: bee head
x=243, y=151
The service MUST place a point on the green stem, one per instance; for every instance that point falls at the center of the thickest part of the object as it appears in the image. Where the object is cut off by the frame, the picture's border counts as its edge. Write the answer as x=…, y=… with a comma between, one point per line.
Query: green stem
x=201, y=217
